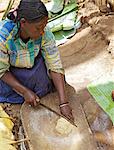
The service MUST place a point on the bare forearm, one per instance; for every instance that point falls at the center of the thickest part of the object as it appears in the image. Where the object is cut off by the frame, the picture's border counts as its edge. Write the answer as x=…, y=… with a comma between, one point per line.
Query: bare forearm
x=59, y=83
x=14, y=83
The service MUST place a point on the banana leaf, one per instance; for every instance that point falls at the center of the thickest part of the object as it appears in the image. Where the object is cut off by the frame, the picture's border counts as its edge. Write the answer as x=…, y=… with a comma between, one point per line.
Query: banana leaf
x=67, y=9
x=56, y=6
x=101, y=91
x=62, y=36
x=65, y=22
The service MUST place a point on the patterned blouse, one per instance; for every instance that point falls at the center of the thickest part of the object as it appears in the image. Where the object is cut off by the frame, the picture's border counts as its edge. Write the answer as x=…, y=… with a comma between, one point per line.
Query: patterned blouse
x=14, y=52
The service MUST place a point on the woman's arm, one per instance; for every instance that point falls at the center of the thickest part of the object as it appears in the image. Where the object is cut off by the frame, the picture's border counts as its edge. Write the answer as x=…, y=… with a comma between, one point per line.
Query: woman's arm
x=29, y=96
x=59, y=83
x=58, y=80
x=53, y=62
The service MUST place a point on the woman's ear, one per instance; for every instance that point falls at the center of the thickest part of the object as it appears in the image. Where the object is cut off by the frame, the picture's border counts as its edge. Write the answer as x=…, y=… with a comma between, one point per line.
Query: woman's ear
x=22, y=22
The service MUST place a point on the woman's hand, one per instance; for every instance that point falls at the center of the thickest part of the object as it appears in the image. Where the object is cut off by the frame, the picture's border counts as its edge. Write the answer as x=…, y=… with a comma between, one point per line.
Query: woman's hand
x=31, y=98
x=66, y=111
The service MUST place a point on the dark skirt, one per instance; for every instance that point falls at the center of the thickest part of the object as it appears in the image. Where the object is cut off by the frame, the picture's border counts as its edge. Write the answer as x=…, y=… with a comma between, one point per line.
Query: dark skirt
x=35, y=78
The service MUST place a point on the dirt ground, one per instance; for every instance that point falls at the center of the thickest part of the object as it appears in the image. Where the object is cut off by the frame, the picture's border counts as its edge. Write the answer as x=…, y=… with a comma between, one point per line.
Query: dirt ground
x=91, y=56
x=86, y=57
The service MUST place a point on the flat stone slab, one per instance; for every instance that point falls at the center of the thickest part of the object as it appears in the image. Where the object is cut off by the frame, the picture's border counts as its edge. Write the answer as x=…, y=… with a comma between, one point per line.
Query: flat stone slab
x=39, y=125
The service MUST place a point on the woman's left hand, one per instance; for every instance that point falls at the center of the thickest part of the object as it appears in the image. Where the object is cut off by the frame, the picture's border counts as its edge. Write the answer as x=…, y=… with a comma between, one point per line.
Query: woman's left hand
x=67, y=112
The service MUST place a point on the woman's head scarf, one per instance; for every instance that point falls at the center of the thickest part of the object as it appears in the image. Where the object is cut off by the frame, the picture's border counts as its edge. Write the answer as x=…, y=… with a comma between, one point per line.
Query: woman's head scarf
x=31, y=10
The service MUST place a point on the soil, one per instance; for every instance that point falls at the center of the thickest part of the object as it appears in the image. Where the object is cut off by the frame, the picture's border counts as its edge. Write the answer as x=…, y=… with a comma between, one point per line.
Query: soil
x=86, y=57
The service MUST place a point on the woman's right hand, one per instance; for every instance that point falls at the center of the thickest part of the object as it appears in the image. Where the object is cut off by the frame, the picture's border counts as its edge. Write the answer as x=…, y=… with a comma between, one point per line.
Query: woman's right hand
x=31, y=98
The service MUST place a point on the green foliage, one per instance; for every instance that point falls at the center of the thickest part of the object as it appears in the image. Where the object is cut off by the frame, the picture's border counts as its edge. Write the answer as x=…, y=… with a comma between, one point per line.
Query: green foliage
x=102, y=91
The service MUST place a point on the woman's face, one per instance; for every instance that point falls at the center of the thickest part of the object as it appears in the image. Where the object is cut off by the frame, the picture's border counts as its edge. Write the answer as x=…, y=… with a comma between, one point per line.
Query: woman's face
x=34, y=30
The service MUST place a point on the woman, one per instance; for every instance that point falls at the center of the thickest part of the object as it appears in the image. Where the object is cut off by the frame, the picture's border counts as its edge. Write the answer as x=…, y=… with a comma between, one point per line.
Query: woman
x=26, y=45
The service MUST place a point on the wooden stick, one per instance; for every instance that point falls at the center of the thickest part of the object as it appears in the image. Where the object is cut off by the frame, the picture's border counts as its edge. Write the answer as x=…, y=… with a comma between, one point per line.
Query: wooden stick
x=10, y=4
x=1, y=11
x=19, y=141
